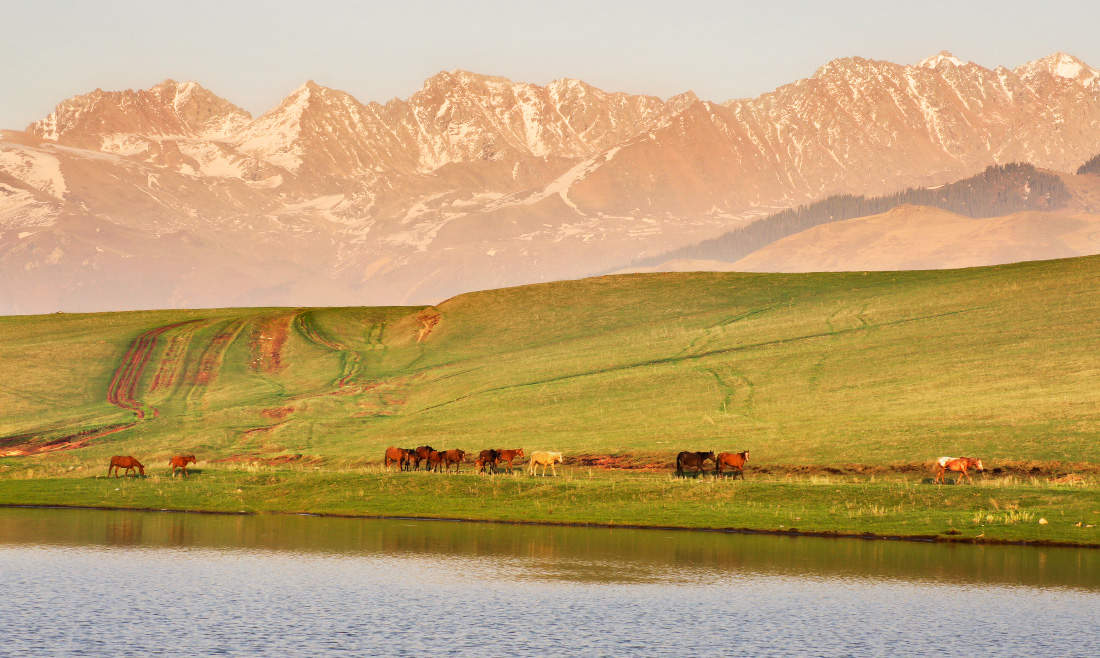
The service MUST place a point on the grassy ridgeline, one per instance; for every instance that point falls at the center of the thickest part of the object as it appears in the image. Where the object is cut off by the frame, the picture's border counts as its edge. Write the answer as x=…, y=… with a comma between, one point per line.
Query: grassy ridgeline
x=872, y=368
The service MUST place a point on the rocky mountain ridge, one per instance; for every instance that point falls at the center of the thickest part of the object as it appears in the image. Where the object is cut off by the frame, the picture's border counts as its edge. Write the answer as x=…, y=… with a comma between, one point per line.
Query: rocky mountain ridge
x=173, y=196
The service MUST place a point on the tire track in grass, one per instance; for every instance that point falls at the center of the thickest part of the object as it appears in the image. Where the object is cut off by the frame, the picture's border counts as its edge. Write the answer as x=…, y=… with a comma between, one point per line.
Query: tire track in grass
x=123, y=389
x=203, y=373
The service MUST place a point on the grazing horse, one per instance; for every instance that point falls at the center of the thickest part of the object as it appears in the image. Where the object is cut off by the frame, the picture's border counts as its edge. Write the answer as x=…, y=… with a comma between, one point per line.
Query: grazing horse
x=435, y=461
x=733, y=460
x=423, y=452
x=487, y=460
x=508, y=455
x=127, y=462
x=692, y=460
x=453, y=456
x=180, y=461
x=957, y=464
x=411, y=458
x=398, y=456
x=544, y=459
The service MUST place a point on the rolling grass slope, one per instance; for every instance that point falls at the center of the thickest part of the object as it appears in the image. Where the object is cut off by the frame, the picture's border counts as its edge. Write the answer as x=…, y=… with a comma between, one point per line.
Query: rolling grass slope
x=827, y=369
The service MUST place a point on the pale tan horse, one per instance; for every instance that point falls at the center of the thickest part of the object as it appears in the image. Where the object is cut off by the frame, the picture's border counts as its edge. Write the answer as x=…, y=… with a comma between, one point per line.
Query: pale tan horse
x=544, y=459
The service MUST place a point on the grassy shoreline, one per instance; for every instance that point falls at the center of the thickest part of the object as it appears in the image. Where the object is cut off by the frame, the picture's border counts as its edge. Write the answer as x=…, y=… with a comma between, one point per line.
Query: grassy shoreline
x=991, y=511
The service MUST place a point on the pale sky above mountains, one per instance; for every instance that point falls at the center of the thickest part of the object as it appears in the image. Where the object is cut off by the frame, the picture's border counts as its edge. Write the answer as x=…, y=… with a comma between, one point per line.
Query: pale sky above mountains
x=254, y=53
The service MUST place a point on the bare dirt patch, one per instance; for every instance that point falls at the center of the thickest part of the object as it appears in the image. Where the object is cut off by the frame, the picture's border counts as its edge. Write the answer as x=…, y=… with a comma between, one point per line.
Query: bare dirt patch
x=267, y=342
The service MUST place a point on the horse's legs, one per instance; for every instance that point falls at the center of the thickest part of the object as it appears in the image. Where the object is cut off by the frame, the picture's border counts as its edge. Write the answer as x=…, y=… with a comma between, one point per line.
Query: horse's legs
x=967, y=475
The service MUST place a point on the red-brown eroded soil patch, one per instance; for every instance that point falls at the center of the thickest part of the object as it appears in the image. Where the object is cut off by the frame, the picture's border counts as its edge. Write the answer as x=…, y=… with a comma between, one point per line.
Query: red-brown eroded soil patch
x=267, y=341
x=277, y=414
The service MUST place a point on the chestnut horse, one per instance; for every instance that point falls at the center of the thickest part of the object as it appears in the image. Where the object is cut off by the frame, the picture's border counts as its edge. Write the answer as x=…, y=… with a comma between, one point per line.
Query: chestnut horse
x=958, y=465
x=733, y=460
x=508, y=455
x=181, y=461
x=398, y=456
x=435, y=461
x=127, y=462
x=454, y=456
x=692, y=460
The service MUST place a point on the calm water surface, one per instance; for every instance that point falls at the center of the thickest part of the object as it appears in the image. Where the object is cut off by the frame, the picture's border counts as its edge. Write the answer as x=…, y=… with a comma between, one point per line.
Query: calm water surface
x=97, y=583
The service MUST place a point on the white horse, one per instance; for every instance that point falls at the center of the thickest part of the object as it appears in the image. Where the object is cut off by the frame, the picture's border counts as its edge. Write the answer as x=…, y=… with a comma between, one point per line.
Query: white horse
x=544, y=459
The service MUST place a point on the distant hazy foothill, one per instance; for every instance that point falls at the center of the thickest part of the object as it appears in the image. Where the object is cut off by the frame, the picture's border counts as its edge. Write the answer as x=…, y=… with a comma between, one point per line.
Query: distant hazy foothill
x=175, y=197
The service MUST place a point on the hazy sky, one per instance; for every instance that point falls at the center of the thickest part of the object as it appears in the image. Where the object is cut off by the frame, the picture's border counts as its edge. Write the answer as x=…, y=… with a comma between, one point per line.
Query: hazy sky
x=255, y=53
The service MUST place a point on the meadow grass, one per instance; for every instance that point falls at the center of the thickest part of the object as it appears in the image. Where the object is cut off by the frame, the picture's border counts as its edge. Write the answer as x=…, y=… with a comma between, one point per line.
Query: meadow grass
x=1007, y=510
x=823, y=370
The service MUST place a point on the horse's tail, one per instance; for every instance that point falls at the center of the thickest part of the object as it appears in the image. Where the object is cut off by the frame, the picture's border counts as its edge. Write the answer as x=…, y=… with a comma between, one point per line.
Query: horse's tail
x=679, y=466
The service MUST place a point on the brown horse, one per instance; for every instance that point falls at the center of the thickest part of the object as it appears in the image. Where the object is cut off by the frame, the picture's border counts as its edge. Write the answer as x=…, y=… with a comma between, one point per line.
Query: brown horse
x=958, y=465
x=181, y=461
x=454, y=456
x=733, y=460
x=411, y=459
x=423, y=452
x=435, y=461
x=398, y=456
x=508, y=455
x=692, y=460
x=487, y=461
x=127, y=462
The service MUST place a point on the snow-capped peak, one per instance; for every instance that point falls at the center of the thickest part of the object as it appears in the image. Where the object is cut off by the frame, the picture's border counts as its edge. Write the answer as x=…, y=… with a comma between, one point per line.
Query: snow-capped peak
x=1062, y=65
x=940, y=59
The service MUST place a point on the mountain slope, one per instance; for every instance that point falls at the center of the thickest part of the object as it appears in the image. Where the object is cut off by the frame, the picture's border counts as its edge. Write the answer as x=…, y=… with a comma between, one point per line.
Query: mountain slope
x=478, y=182
x=921, y=238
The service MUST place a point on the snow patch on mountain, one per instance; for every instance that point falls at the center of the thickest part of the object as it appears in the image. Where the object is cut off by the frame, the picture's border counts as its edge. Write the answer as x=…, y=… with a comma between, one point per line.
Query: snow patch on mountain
x=35, y=168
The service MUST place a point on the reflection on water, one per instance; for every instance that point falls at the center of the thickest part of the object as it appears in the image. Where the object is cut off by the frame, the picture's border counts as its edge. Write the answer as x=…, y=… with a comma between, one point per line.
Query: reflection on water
x=98, y=583
x=552, y=552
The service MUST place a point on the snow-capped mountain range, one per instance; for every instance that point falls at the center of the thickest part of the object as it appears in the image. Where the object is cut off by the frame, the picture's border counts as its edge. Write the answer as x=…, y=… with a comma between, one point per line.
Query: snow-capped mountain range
x=172, y=196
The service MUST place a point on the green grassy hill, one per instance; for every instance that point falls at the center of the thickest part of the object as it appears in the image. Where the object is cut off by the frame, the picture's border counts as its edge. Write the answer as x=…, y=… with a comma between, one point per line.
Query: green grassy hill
x=828, y=369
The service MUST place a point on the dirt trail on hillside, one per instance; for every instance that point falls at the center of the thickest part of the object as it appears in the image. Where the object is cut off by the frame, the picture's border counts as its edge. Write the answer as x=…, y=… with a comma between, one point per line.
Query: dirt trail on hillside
x=123, y=389
x=353, y=361
x=24, y=444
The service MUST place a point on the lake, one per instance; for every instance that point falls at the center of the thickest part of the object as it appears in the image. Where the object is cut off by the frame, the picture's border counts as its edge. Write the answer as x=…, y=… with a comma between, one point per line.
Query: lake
x=107, y=583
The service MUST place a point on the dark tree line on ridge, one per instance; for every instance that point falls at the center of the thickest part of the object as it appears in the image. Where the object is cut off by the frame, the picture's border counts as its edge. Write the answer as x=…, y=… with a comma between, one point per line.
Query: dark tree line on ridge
x=1091, y=166
x=999, y=190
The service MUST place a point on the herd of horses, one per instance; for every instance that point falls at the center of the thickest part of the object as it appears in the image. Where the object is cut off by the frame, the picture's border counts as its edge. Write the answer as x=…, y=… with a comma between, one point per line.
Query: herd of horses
x=493, y=461
x=488, y=461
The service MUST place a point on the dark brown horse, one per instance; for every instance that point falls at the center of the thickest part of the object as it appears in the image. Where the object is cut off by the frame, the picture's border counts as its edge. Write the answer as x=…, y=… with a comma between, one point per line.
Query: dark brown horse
x=181, y=461
x=958, y=465
x=398, y=456
x=508, y=456
x=692, y=460
x=423, y=452
x=487, y=461
x=412, y=459
x=435, y=461
x=732, y=460
x=127, y=462
x=453, y=456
